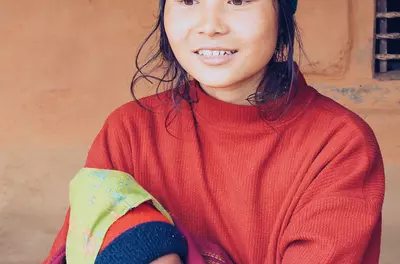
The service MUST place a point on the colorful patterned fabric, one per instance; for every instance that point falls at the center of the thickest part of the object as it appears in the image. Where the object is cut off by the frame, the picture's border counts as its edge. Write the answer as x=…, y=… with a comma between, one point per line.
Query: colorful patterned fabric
x=97, y=199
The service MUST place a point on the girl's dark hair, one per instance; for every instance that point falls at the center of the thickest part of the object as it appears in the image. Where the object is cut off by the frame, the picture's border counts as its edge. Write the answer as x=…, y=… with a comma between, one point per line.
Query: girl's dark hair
x=277, y=80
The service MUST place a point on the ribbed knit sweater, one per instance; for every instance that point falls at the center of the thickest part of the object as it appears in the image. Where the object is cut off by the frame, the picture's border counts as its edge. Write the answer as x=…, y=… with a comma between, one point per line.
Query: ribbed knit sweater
x=299, y=188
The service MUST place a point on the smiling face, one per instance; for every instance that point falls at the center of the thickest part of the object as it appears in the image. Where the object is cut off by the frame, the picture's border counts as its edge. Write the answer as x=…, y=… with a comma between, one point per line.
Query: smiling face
x=221, y=43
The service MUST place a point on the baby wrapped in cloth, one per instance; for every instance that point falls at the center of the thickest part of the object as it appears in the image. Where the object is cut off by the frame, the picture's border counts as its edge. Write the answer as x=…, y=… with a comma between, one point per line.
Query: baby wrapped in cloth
x=112, y=219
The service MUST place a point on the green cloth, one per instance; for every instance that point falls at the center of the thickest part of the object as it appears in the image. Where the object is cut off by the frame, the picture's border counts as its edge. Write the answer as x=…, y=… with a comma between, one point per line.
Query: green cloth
x=97, y=199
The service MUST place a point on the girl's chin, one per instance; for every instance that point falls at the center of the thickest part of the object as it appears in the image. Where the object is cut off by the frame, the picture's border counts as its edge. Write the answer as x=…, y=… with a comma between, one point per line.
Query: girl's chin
x=225, y=78
x=217, y=85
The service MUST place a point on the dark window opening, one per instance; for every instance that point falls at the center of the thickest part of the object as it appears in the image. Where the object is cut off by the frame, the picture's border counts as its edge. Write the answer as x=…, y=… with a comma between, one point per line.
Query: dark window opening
x=387, y=39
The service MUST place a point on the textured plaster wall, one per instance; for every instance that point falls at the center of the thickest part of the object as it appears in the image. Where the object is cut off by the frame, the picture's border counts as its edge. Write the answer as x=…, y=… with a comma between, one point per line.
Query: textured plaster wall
x=64, y=65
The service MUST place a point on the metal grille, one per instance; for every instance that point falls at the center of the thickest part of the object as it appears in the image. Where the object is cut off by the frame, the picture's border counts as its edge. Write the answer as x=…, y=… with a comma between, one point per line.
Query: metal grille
x=387, y=36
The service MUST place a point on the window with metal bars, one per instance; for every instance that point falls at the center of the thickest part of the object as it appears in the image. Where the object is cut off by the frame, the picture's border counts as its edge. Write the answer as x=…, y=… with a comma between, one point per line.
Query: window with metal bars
x=387, y=39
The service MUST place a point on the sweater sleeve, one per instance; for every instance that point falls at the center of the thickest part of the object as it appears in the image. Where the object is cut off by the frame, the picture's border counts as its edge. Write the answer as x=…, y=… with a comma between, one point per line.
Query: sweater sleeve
x=338, y=217
x=111, y=148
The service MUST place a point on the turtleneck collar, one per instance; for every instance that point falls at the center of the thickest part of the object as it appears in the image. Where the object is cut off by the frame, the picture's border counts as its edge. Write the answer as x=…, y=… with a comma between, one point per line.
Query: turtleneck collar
x=228, y=115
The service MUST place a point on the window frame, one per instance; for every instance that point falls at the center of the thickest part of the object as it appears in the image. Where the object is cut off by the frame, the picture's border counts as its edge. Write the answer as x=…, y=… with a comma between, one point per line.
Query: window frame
x=381, y=39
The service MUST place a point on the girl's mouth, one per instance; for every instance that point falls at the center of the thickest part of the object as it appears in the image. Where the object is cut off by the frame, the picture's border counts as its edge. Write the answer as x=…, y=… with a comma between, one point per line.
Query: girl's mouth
x=215, y=53
x=215, y=57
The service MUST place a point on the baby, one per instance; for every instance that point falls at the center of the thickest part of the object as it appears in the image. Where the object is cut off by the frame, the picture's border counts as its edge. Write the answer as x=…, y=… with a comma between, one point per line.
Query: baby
x=112, y=219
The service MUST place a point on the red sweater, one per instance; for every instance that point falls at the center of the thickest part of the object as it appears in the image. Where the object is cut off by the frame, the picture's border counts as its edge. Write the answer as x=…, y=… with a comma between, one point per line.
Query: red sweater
x=306, y=188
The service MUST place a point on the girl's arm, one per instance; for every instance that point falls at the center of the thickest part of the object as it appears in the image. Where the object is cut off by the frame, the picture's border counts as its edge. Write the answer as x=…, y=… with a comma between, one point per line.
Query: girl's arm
x=338, y=218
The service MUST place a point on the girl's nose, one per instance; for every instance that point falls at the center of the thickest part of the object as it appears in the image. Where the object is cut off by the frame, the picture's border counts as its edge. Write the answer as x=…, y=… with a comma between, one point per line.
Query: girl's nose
x=212, y=22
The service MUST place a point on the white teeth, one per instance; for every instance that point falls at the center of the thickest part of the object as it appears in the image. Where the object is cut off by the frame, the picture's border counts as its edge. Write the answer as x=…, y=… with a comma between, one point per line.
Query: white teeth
x=209, y=53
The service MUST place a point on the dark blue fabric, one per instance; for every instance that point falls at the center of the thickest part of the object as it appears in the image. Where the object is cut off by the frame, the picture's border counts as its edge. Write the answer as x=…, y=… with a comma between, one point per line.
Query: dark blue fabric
x=143, y=244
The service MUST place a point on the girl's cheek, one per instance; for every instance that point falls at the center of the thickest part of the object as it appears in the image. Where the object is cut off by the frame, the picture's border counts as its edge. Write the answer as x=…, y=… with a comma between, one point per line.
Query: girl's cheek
x=180, y=23
x=175, y=32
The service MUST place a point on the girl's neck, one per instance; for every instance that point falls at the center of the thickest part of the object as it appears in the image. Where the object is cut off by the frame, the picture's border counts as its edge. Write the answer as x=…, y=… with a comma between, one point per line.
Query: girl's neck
x=230, y=95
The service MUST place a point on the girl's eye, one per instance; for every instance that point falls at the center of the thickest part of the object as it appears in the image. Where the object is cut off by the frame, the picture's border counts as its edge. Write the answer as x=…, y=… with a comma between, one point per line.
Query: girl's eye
x=236, y=2
x=189, y=2
x=232, y=2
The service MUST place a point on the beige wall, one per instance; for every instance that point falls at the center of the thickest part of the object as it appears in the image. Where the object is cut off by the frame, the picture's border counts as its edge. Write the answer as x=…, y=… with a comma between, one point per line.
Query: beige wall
x=338, y=38
x=64, y=65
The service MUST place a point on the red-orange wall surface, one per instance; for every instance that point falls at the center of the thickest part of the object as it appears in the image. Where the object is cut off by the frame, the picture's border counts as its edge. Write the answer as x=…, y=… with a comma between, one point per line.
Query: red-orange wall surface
x=65, y=65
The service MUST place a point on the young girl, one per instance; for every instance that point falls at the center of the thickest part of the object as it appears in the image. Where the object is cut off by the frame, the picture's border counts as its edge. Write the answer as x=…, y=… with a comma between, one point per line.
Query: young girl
x=241, y=150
